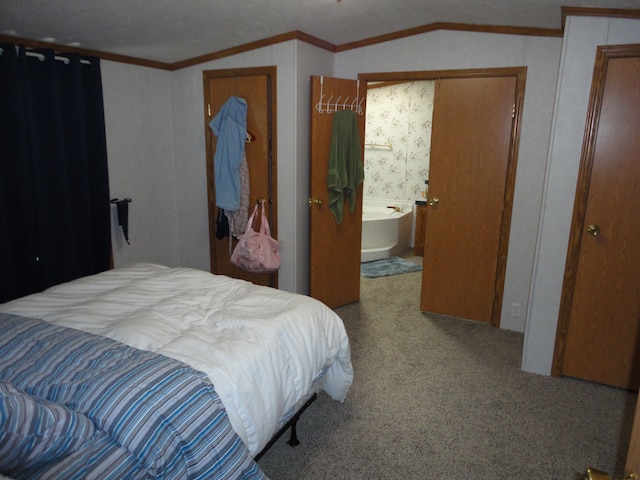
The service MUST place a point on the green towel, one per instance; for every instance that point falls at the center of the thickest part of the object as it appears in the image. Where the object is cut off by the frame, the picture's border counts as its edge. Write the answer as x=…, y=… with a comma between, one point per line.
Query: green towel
x=346, y=171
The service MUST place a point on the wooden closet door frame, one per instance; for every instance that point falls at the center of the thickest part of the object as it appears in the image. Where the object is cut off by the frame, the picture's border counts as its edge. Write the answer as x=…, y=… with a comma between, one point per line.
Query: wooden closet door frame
x=520, y=73
x=604, y=54
x=271, y=194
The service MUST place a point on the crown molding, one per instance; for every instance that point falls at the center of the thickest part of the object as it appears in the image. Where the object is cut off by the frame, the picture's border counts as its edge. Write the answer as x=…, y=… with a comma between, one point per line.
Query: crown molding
x=265, y=42
x=598, y=12
x=465, y=27
x=318, y=42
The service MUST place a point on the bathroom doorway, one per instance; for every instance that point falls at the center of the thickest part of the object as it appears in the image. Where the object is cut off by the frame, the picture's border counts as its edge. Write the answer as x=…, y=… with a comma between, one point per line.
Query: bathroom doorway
x=502, y=211
x=396, y=163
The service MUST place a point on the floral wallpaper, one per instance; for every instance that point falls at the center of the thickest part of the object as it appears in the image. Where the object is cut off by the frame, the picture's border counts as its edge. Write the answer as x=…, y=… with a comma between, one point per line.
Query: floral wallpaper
x=398, y=140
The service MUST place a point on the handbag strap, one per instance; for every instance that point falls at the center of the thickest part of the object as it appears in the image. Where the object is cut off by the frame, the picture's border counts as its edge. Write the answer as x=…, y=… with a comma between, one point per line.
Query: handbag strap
x=251, y=219
x=264, y=226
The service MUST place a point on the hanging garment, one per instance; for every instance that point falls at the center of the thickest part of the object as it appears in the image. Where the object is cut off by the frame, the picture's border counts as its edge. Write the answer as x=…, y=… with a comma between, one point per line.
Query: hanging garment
x=230, y=128
x=238, y=219
x=222, y=225
x=346, y=171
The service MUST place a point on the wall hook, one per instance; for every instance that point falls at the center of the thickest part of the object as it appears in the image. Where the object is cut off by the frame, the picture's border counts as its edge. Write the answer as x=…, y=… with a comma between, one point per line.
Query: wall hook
x=123, y=215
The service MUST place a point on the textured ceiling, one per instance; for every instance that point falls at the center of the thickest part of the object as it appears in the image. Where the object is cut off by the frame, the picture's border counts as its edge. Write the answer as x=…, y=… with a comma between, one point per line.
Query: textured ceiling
x=175, y=30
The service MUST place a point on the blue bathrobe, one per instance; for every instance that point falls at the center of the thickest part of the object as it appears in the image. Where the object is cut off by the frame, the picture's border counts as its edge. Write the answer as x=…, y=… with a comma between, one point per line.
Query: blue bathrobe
x=230, y=128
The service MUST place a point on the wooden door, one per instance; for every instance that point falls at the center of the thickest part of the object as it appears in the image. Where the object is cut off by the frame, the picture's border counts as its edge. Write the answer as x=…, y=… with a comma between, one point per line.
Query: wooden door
x=599, y=322
x=466, y=220
x=632, y=465
x=258, y=87
x=334, y=249
x=421, y=215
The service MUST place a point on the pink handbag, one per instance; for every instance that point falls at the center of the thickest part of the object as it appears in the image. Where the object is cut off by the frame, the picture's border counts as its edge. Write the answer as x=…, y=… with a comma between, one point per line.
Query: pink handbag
x=257, y=252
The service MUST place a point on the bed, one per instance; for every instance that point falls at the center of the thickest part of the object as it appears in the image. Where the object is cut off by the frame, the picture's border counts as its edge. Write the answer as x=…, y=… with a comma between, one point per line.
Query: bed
x=244, y=359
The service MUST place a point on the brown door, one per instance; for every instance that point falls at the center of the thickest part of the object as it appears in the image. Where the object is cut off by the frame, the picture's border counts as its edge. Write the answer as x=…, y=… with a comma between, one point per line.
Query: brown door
x=466, y=221
x=633, y=454
x=257, y=87
x=334, y=249
x=598, y=327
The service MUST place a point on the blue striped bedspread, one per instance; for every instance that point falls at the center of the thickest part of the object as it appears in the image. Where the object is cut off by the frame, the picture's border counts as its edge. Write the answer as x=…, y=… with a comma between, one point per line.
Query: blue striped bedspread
x=148, y=416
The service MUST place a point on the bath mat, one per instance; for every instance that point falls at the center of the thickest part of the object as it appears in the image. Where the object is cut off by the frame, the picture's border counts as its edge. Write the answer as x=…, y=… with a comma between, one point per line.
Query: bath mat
x=388, y=266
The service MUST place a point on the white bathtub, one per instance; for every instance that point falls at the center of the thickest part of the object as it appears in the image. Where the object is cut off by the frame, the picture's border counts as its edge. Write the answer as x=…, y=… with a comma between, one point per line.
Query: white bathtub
x=386, y=227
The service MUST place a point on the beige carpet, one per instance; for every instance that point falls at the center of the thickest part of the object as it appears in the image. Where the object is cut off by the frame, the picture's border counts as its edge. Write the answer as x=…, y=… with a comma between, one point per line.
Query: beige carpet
x=441, y=398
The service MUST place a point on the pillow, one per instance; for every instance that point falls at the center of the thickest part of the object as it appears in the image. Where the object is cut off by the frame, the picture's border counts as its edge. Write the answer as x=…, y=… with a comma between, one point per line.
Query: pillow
x=34, y=431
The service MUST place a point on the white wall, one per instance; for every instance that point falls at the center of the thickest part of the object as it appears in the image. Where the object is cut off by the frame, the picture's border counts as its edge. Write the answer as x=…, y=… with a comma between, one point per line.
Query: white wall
x=309, y=61
x=140, y=149
x=445, y=50
x=582, y=37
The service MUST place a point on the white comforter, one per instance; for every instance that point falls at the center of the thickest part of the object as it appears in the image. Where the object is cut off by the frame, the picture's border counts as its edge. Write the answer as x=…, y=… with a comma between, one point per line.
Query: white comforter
x=263, y=349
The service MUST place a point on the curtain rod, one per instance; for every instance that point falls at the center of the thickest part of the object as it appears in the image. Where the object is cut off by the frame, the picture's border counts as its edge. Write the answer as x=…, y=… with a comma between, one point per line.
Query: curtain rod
x=40, y=57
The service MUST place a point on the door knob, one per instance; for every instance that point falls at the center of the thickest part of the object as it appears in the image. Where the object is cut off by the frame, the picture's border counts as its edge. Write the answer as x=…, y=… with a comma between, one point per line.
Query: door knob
x=593, y=230
x=315, y=201
x=433, y=201
x=593, y=474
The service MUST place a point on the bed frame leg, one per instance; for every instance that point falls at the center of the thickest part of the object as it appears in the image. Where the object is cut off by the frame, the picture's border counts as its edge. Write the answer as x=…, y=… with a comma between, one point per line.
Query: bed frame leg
x=293, y=440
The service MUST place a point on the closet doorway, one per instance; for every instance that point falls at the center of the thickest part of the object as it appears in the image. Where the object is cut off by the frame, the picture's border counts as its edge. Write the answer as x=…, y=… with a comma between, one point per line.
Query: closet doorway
x=258, y=87
x=598, y=334
x=456, y=282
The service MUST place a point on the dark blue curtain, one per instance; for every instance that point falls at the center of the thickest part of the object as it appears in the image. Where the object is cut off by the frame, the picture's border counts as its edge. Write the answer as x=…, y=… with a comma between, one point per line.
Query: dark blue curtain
x=54, y=190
